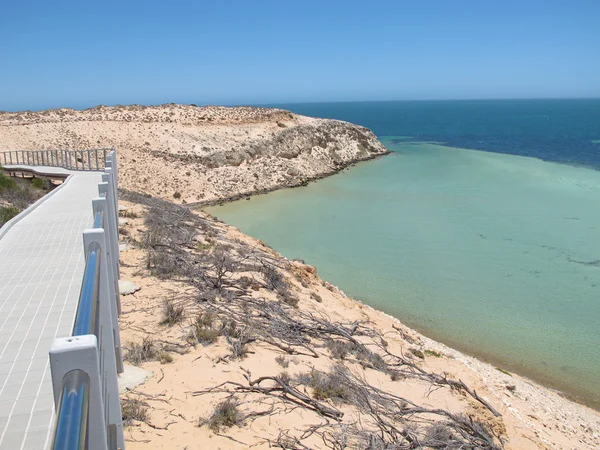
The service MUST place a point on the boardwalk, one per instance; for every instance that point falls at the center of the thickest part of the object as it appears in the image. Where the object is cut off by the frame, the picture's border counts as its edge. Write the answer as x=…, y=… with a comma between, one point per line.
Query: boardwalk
x=41, y=267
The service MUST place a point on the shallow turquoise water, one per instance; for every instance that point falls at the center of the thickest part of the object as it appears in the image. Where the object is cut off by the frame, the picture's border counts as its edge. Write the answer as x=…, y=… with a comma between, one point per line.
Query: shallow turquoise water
x=497, y=255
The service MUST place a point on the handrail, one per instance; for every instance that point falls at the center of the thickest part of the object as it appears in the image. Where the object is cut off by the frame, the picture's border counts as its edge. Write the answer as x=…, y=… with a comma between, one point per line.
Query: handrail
x=73, y=407
x=88, y=411
x=92, y=159
x=85, y=320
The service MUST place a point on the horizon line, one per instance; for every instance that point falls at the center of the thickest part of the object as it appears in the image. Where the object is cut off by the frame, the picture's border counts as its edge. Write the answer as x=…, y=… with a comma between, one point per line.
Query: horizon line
x=267, y=104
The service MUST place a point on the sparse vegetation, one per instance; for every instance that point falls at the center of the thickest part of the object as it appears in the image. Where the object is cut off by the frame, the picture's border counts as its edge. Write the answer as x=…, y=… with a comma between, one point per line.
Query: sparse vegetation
x=282, y=361
x=433, y=353
x=16, y=194
x=147, y=350
x=173, y=312
x=225, y=415
x=38, y=183
x=328, y=386
x=134, y=410
x=7, y=213
x=202, y=331
x=240, y=294
x=418, y=353
x=505, y=372
x=129, y=214
x=177, y=195
x=316, y=297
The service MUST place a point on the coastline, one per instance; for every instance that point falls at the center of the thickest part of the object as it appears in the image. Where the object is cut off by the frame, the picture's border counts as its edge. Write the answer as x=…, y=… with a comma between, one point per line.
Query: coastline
x=533, y=416
x=562, y=377
x=301, y=183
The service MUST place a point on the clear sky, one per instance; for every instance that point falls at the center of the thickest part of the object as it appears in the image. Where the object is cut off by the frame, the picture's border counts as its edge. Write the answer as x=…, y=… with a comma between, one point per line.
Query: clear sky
x=83, y=53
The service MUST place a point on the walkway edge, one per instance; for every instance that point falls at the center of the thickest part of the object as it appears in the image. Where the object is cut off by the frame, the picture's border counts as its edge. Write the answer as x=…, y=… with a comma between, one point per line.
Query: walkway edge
x=8, y=225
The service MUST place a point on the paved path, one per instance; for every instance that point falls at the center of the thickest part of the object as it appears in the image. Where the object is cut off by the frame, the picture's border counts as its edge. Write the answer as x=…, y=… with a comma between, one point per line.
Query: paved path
x=41, y=268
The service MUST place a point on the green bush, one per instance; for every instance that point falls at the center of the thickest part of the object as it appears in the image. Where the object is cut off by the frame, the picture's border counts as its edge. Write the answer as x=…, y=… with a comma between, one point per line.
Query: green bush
x=38, y=183
x=7, y=183
x=7, y=213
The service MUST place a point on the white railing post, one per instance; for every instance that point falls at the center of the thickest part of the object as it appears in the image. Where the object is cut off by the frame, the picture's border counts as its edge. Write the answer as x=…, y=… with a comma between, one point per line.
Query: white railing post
x=109, y=177
x=99, y=206
x=81, y=353
x=112, y=222
x=112, y=164
x=106, y=342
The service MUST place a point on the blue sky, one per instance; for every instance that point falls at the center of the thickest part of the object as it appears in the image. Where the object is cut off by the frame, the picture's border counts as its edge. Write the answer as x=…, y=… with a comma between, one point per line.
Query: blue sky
x=80, y=54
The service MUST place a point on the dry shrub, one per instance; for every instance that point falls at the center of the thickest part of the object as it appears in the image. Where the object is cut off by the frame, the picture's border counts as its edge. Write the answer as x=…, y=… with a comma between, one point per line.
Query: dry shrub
x=225, y=415
x=274, y=280
x=340, y=349
x=239, y=344
x=328, y=386
x=282, y=361
x=147, y=350
x=202, y=331
x=173, y=313
x=134, y=410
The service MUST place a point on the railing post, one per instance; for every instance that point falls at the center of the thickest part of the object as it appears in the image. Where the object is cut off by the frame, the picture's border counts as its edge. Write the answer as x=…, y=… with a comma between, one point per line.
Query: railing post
x=112, y=222
x=106, y=342
x=112, y=163
x=109, y=177
x=99, y=205
x=96, y=153
x=80, y=353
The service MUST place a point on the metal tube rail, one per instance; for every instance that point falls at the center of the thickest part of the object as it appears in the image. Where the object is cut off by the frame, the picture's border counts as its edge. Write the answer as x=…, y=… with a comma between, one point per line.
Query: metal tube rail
x=85, y=320
x=73, y=412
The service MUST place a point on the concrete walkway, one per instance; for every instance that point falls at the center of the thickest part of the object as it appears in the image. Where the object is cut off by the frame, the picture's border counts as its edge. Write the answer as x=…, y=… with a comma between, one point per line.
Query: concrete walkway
x=41, y=269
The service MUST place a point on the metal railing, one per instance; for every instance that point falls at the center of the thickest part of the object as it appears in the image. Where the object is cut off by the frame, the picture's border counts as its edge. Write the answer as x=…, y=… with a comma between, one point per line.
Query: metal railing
x=85, y=365
x=93, y=159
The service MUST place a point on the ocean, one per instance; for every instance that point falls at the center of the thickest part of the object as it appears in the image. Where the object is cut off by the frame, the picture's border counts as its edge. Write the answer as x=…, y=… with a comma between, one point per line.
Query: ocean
x=480, y=230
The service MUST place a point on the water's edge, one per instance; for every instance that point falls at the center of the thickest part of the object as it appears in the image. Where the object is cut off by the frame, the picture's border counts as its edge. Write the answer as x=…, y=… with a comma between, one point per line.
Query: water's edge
x=490, y=358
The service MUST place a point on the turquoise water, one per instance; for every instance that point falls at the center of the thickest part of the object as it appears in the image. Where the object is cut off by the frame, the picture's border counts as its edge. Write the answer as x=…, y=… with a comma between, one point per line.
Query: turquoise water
x=495, y=254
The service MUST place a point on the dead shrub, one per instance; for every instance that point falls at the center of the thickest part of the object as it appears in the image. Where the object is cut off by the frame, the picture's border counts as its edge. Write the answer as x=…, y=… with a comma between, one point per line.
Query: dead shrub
x=282, y=361
x=140, y=352
x=173, y=313
x=316, y=297
x=340, y=349
x=225, y=416
x=202, y=331
x=274, y=280
x=239, y=344
x=328, y=386
x=134, y=410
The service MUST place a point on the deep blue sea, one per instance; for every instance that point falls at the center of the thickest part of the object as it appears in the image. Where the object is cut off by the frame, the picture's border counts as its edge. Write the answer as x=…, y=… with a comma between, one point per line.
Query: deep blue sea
x=481, y=229
x=563, y=131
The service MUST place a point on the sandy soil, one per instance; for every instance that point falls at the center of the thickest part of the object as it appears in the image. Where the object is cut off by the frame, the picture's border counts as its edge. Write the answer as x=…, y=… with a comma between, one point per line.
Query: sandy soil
x=198, y=154
x=532, y=417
